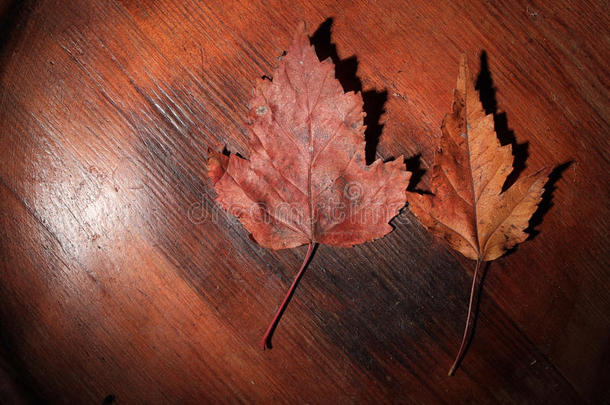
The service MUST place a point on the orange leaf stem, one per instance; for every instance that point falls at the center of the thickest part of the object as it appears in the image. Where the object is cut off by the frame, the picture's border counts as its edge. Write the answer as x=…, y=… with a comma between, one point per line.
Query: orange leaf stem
x=468, y=320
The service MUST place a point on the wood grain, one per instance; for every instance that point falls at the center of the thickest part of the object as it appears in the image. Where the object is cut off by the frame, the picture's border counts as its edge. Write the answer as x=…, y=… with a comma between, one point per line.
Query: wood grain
x=122, y=281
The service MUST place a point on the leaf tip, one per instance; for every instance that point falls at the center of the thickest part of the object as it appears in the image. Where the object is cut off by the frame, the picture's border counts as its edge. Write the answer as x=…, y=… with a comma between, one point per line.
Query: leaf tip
x=463, y=59
x=300, y=33
x=544, y=172
x=301, y=26
x=464, y=72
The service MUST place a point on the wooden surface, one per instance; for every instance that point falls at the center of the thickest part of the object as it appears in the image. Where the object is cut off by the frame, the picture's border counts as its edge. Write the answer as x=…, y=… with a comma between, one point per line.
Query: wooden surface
x=122, y=281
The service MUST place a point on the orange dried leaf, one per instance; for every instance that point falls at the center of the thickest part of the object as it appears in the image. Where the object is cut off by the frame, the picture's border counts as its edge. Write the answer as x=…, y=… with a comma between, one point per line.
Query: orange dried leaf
x=467, y=207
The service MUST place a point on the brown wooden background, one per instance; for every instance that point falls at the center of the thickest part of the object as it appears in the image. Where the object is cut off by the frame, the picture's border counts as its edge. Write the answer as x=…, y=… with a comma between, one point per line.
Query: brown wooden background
x=121, y=280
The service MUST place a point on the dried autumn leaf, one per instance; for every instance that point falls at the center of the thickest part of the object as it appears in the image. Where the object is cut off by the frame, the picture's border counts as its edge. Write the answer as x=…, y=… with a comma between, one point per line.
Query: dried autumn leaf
x=468, y=208
x=306, y=180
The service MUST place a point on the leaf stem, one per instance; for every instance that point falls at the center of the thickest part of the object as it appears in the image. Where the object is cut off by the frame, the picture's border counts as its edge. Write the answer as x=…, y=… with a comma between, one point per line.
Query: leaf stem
x=465, y=339
x=266, y=342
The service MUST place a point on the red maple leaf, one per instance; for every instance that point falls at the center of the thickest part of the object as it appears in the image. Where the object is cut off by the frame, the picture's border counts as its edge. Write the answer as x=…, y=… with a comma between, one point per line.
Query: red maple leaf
x=306, y=180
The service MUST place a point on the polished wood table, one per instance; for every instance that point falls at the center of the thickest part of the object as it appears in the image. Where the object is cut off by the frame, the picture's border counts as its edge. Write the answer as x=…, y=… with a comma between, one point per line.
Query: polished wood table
x=122, y=281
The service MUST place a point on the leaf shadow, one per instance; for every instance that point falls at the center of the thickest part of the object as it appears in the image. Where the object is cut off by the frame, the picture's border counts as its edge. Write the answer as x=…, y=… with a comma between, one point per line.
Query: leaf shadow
x=506, y=136
x=346, y=72
x=414, y=165
x=547, y=199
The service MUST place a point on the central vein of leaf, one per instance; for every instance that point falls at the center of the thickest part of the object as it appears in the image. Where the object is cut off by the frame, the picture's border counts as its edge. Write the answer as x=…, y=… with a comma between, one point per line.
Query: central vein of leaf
x=310, y=151
x=474, y=194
